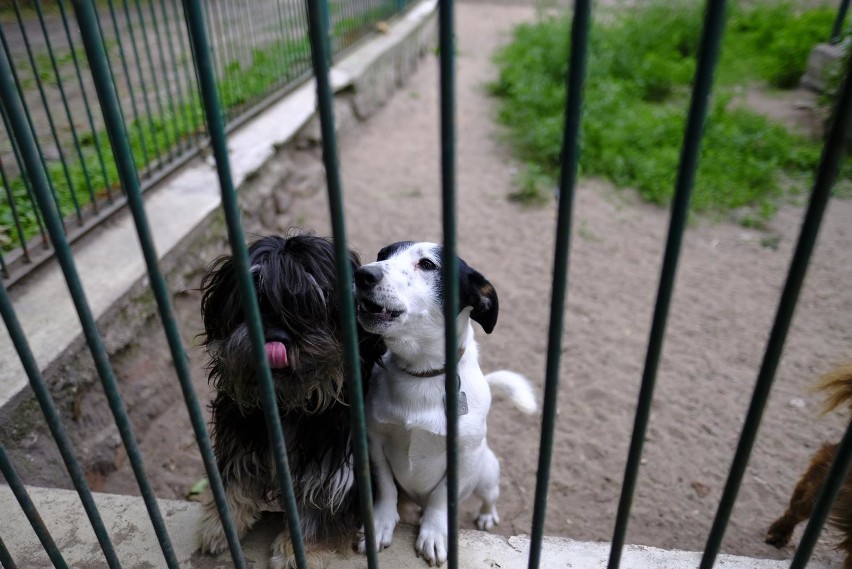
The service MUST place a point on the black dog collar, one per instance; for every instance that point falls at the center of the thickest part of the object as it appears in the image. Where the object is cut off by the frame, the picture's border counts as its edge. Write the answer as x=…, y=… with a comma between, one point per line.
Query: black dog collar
x=431, y=372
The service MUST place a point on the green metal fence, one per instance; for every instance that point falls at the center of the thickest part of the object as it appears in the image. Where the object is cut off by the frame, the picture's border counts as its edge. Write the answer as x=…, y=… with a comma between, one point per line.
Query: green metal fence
x=837, y=29
x=260, y=50
x=212, y=95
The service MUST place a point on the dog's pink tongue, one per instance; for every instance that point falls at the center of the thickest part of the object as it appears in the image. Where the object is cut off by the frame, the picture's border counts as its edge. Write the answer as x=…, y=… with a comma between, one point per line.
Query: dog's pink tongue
x=276, y=352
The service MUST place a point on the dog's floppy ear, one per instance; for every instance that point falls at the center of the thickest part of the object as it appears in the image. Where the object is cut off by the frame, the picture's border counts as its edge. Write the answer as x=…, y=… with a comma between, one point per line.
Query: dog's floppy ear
x=476, y=291
x=221, y=306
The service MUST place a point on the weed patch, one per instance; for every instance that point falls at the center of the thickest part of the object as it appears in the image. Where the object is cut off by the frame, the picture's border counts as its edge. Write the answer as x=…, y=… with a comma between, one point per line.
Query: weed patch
x=640, y=67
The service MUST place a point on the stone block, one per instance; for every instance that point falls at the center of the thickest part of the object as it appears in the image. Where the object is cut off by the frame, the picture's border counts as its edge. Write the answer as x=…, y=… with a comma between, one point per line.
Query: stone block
x=822, y=60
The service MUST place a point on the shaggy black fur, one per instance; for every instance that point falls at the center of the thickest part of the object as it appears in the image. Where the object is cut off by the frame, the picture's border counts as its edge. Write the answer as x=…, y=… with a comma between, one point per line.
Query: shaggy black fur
x=295, y=282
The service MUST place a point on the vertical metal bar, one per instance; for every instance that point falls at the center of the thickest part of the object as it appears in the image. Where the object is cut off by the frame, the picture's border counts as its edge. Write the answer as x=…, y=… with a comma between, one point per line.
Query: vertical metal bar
x=86, y=104
x=190, y=77
x=568, y=175
x=59, y=84
x=235, y=26
x=215, y=60
x=834, y=482
x=23, y=170
x=365, y=16
x=172, y=117
x=830, y=161
x=5, y=558
x=832, y=156
x=284, y=51
x=218, y=140
x=11, y=101
x=326, y=38
x=180, y=131
x=215, y=45
x=22, y=238
x=302, y=19
x=143, y=83
x=711, y=39
x=343, y=20
x=255, y=39
x=231, y=22
x=221, y=37
x=296, y=26
x=130, y=181
x=49, y=115
x=168, y=146
x=140, y=127
x=450, y=267
x=243, y=32
x=318, y=31
x=838, y=22
x=54, y=423
x=236, y=55
x=30, y=511
x=31, y=126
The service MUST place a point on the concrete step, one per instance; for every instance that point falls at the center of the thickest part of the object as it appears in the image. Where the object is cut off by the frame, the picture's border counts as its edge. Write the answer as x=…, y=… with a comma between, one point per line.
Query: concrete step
x=136, y=545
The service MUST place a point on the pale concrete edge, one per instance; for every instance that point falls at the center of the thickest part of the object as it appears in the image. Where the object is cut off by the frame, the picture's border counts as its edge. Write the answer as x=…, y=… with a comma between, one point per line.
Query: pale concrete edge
x=134, y=540
x=251, y=146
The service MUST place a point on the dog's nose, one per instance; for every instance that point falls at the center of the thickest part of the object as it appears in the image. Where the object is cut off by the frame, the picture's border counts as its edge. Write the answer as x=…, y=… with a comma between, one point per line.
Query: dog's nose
x=367, y=276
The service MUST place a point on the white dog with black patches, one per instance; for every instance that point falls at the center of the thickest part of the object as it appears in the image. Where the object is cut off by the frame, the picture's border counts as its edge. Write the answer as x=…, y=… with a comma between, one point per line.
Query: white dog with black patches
x=400, y=297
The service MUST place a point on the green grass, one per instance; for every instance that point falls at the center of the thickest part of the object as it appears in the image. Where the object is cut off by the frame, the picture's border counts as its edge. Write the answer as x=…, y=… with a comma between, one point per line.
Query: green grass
x=239, y=86
x=640, y=69
x=772, y=41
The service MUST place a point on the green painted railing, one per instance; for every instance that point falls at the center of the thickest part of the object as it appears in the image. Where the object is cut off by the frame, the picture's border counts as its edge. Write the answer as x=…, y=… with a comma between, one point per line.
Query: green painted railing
x=837, y=29
x=260, y=51
x=212, y=94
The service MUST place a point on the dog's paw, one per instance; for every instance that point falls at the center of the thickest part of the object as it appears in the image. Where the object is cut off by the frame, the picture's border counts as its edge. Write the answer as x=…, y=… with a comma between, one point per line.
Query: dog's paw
x=487, y=520
x=779, y=534
x=213, y=543
x=431, y=545
x=211, y=534
x=283, y=556
x=385, y=523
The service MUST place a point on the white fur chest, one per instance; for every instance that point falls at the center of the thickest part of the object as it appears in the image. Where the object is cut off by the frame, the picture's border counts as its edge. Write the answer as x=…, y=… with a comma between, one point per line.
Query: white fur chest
x=407, y=415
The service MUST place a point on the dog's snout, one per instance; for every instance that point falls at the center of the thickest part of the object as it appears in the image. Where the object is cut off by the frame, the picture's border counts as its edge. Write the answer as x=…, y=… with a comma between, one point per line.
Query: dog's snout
x=368, y=276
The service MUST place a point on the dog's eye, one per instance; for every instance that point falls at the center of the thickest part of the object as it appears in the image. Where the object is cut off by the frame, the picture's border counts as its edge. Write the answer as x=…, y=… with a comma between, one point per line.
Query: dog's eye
x=426, y=264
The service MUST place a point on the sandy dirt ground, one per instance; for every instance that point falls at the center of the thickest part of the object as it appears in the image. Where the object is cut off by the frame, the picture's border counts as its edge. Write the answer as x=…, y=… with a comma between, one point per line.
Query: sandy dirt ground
x=727, y=290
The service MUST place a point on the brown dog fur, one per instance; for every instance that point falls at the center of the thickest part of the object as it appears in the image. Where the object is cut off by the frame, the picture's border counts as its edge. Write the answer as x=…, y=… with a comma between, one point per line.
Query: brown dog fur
x=837, y=384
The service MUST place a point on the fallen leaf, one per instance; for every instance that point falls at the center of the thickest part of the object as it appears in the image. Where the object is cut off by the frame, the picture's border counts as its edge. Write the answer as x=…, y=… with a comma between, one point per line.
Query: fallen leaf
x=700, y=489
x=197, y=489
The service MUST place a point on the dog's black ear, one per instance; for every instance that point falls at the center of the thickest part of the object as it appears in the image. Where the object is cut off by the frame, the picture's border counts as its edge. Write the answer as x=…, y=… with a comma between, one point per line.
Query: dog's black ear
x=221, y=306
x=476, y=291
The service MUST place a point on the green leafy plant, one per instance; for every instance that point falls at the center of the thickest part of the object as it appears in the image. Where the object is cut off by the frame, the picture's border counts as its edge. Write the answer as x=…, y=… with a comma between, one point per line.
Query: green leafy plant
x=639, y=71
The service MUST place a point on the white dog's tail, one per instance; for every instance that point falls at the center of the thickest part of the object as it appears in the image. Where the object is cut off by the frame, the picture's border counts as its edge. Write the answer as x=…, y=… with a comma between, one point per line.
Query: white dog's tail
x=514, y=386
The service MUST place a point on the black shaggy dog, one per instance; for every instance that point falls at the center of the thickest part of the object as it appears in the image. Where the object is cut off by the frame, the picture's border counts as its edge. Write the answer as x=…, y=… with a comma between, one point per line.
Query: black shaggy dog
x=295, y=281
